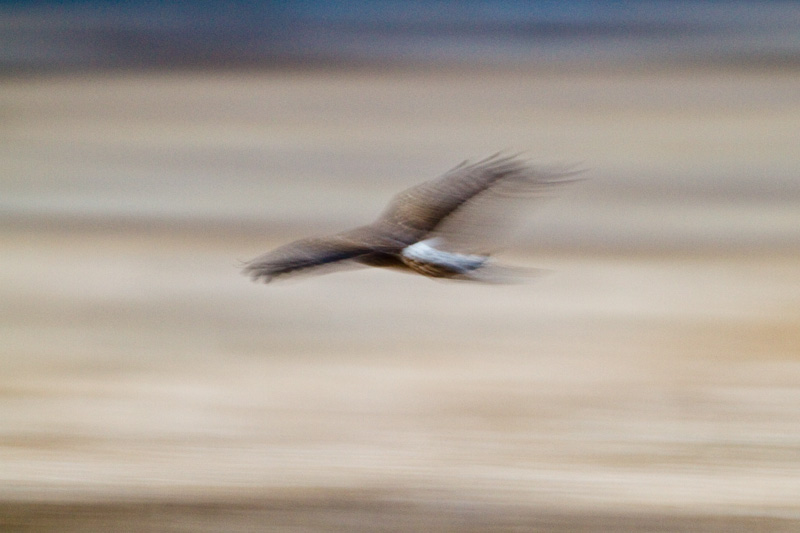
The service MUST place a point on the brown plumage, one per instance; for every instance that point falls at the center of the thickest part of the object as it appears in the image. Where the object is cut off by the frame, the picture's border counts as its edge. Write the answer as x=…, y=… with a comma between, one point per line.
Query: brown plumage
x=444, y=228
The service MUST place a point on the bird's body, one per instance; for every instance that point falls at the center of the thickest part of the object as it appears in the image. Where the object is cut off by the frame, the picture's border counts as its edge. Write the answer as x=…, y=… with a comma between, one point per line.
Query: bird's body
x=445, y=228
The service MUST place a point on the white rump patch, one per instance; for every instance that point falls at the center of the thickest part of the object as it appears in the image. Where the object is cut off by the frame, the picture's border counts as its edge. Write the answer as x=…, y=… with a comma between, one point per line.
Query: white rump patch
x=425, y=252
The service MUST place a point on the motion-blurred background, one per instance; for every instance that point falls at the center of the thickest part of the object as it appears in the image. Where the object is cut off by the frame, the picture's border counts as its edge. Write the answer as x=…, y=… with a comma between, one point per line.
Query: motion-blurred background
x=649, y=383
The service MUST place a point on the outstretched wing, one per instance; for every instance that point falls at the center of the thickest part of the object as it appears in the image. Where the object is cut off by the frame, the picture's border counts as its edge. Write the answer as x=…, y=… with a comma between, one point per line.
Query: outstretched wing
x=316, y=253
x=472, y=207
x=492, y=221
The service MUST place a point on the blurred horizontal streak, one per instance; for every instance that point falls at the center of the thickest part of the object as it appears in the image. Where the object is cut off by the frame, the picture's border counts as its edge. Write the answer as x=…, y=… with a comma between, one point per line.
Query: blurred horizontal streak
x=366, y=510
x=42, y=37
x=570, y=225
x=679, y=160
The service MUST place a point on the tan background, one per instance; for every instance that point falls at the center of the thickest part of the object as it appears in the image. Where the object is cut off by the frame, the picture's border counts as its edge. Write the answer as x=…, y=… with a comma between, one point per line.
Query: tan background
x=650, y=382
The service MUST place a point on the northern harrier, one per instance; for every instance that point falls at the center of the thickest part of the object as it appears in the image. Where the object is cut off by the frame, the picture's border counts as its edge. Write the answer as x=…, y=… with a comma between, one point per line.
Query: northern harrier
x=445, y=228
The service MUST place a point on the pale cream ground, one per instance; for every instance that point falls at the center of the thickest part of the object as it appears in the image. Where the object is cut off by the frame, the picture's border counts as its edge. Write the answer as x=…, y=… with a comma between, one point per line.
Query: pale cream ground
x=650, y=382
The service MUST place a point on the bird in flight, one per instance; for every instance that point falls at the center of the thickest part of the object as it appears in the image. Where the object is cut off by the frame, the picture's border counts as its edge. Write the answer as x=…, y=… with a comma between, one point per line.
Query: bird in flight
x=445, y=228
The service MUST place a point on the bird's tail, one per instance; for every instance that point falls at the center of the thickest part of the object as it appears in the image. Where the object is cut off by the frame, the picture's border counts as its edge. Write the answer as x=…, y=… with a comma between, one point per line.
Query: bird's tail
x=499, y=274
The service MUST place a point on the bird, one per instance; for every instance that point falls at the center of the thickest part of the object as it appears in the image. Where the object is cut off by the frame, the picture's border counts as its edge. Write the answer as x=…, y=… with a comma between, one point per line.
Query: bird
x=447, y=228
